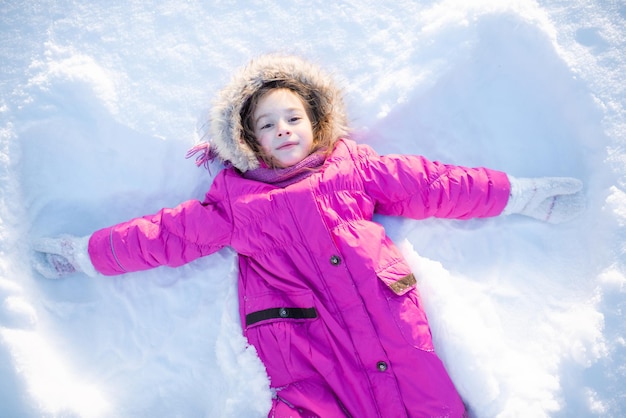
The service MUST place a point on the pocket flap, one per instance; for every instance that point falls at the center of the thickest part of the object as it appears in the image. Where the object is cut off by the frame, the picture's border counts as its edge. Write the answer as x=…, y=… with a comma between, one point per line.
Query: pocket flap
x=398, y=281
x=279, y=306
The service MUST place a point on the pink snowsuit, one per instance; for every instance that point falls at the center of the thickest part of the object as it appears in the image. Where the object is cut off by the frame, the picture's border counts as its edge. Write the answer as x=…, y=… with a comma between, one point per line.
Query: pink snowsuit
x=325, y=297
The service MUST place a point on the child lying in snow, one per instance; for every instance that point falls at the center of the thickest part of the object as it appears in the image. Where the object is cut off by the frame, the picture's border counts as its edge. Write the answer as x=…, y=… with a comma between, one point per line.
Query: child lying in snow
x=325, y=297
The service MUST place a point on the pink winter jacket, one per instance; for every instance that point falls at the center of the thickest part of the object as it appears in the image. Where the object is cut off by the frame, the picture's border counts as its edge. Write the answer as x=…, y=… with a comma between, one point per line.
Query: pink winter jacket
x=325, y=297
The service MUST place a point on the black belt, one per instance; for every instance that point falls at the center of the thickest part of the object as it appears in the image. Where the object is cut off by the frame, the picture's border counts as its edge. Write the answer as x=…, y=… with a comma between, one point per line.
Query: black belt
x=282, y=313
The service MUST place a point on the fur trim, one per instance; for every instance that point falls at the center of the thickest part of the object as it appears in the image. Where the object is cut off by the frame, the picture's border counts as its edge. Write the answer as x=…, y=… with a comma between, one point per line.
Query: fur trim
x=226, y=129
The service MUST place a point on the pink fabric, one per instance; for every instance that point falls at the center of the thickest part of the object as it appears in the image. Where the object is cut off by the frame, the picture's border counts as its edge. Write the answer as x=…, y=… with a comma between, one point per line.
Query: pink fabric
x=282, y=177
x=313, y=245
x=205, y=156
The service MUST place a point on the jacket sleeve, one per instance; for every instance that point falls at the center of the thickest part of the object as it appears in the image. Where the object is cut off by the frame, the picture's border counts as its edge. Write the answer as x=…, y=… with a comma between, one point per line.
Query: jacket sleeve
x=172, y=237
x=412, y=186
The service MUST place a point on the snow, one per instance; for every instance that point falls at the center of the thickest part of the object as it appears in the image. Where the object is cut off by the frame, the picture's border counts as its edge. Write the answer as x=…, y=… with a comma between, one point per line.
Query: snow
x=100, y=100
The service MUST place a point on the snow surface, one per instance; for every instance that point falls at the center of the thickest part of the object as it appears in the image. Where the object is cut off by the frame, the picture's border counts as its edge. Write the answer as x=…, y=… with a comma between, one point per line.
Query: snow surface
x=100, y=100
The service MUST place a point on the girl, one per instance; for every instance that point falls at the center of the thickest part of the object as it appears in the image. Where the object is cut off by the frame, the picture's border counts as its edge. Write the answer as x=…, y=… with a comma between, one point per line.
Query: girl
x=324, y=296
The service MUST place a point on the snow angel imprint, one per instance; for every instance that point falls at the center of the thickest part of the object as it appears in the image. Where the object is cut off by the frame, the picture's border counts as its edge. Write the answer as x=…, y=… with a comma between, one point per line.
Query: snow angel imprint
x=325, y=297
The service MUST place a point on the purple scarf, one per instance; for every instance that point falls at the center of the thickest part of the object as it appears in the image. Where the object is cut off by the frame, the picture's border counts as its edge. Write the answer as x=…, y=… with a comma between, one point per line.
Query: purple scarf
x=281, y=177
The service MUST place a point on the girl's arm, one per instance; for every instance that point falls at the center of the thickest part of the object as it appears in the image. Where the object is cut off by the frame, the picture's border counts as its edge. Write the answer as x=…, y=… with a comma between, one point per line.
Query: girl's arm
x=170, y=237
x=415, y=187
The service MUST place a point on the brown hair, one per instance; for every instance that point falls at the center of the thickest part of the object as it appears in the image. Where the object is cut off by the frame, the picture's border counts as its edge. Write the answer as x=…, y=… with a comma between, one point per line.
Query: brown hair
x=312, y=101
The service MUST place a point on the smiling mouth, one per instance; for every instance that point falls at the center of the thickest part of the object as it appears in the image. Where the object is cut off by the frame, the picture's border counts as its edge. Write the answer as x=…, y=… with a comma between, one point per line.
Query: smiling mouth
x=286, y=145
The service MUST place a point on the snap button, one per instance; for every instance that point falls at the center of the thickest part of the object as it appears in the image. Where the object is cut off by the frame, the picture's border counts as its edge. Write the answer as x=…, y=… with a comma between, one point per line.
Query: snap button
x=381, y=366
x=335, y=260
x=283, y=313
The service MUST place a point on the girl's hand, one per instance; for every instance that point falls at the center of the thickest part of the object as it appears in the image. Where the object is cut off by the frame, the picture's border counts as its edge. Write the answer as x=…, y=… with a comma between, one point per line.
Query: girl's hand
x=59, y=257
x=549, y=199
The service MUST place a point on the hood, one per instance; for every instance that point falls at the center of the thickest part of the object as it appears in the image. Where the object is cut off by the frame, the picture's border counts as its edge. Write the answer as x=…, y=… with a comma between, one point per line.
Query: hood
x=225, y=125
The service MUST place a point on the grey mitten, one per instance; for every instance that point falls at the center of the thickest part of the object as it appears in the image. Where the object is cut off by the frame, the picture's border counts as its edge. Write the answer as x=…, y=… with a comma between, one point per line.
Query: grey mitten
x=549, y=199
x=58, y=257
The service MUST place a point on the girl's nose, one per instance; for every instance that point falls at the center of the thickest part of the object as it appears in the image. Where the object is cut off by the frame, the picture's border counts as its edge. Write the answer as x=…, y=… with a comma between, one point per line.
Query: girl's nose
x=283, y=130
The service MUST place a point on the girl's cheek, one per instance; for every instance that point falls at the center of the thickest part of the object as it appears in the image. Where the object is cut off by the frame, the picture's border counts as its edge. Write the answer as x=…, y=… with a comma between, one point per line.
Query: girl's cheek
x=265, y=143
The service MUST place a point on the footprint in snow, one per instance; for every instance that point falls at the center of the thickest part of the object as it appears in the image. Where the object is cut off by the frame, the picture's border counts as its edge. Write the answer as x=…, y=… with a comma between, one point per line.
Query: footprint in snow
x=591, y=38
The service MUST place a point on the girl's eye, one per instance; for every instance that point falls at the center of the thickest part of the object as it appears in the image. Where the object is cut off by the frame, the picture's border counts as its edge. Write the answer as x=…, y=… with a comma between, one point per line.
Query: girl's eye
x=295, y=119
x=266, y=126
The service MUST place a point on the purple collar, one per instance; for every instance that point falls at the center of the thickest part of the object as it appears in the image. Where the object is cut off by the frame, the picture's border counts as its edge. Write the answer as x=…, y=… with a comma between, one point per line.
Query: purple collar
x=282, y=177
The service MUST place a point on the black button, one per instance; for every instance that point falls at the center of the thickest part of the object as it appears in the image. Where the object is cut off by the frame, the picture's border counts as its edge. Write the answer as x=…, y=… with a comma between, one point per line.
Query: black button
x=283, y=313
x=381, y=366
x=335, y=260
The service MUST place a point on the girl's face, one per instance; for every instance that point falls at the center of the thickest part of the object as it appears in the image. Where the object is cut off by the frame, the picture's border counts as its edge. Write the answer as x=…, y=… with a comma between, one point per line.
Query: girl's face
x=282, y=127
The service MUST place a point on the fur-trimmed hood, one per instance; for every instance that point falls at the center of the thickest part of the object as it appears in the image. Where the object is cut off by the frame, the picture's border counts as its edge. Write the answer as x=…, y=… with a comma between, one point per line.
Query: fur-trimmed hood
x=225, y=124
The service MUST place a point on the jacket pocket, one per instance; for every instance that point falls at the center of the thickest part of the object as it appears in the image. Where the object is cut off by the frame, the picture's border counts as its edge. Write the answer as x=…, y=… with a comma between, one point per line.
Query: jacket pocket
x=288, y=335
x=407, y=311
x=279, y=306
